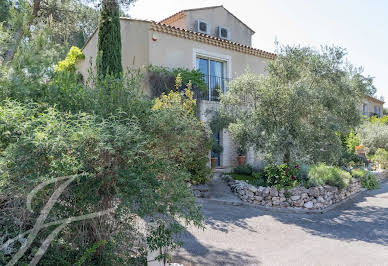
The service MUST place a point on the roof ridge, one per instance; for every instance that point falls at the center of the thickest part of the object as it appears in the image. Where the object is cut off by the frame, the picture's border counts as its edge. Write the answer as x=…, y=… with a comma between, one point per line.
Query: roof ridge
x=201, y=8
x=244, y=48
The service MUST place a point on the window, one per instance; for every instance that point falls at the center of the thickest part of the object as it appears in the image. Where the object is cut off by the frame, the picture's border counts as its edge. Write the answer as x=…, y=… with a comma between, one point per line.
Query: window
x=213, y=72
x=365, y=109
x=375, y=110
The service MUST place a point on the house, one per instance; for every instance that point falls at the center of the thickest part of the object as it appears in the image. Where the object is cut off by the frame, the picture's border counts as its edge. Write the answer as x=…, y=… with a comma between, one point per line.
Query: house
x=210, y=39
x=372, y=107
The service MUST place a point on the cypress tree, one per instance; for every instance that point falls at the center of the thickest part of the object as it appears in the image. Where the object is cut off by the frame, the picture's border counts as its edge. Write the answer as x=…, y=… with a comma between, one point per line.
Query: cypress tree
x=109, y=40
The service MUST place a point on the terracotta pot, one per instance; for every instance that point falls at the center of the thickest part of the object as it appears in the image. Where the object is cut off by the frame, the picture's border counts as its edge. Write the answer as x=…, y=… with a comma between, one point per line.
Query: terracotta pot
x=213, y=162
x=241, y=159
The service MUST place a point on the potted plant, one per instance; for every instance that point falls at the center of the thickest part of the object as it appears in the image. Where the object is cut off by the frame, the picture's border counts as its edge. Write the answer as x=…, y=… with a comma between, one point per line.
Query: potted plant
x=241, y=158
x=216, y=149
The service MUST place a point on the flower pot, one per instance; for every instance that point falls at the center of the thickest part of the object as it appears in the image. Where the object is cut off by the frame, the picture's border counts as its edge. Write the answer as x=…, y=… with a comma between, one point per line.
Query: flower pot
x=241, y=159
x=213, y=162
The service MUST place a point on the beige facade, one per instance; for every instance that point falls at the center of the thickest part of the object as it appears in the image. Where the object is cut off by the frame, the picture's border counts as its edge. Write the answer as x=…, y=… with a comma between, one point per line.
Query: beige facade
x=372, y=107
x=177, y=45
x=215, y=17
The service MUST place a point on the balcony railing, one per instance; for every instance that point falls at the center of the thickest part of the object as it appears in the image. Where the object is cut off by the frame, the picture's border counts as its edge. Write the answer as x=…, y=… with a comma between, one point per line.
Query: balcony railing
x=215, y=86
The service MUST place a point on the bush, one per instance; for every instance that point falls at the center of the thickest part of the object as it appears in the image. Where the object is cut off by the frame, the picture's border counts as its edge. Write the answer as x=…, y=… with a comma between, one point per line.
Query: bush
x=217, y=148
x=140, y=158
x=260, y=178
x=381, y=158
x=322, y=174
x=369, y=181
x=162, y=80
x=358, y=173
x=283, y=175
x=373, y=136
x=243, y=170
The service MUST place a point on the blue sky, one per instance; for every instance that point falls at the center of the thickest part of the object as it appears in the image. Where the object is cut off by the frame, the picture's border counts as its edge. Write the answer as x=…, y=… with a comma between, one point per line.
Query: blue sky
x=360, y=26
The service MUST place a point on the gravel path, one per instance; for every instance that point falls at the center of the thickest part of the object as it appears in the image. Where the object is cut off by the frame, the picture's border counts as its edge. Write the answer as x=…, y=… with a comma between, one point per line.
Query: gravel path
x=356, y=233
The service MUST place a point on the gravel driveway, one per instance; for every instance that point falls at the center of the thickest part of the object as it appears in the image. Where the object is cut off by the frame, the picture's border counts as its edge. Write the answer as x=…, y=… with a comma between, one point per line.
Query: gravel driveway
x=356, y=233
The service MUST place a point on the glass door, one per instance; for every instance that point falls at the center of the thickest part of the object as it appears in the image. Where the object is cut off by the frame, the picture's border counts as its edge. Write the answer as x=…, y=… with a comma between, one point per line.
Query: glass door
x=213, y=72
x=216, y=139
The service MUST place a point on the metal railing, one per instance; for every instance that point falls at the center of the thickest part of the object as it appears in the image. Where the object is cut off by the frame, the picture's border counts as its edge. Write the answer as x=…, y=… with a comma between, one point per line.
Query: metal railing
x=215, y=86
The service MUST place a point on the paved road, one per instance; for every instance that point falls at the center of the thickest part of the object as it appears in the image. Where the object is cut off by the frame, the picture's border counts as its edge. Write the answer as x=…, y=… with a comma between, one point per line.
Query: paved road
x=355, y=233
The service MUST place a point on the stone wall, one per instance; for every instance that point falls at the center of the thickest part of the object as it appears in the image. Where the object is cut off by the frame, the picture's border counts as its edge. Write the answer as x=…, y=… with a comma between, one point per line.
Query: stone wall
x=315, y=198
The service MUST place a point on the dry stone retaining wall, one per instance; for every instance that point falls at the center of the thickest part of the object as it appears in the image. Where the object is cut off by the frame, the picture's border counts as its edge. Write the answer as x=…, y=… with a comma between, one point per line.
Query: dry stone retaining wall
x=315, y=198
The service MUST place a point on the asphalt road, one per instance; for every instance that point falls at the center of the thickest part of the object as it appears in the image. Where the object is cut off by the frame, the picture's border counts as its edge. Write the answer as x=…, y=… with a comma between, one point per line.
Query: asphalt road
x=356, y=233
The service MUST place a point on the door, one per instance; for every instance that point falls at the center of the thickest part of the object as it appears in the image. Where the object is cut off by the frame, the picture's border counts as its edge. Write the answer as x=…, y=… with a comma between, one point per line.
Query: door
x=216, y=139
x=213, y=72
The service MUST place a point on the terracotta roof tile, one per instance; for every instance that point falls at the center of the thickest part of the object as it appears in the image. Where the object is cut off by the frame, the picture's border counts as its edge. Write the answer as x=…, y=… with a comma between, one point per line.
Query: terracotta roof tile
x=200, y=37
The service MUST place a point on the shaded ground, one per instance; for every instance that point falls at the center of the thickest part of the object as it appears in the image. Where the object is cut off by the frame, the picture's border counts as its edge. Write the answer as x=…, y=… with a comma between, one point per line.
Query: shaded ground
x=356, y=233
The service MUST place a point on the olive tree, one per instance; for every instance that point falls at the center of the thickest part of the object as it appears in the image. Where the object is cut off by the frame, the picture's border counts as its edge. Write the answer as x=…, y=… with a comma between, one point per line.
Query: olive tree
x=297, y=110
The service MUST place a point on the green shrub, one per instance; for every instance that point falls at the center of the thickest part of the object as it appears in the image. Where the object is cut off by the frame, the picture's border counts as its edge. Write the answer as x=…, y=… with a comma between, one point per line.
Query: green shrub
x=254, y=179
x=369, y=181
x=283, y=176
x=130, y=161
x=217, y=148
x=322, y=174
x=243, y=170
x=162, y=80
x=381, y=158
x=260, y=178
x=358, y=172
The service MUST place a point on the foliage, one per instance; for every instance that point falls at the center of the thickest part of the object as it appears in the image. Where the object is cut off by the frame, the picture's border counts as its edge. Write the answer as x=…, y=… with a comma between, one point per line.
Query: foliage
x=162, y=80
x=135, y=158
x=190, y=143
x=109, y=40
x=368, y=180
x=321, y=174
x=260, y=178
x=72, y=22
x=352, y=140
x=381, y=158
x=381, y=120
x=297, y=110
x=218, y=121
x=4, y=10
x=217, y=148
x=351, y=159
x=182, y=99
x=243, y=170
x=123, y=162
x=282, y=176
x=69, y=63
x=373, y=136
x=27, y=75
x=254, y=180
x=358, y=172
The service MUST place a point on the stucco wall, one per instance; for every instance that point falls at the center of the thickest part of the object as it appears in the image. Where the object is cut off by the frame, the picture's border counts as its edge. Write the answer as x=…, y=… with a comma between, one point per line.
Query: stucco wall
x=171, y=51
x=134, y=41
x=220, y=17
